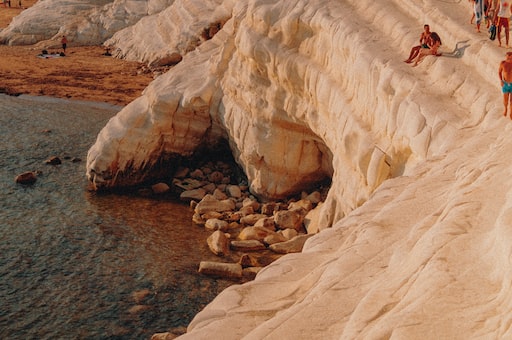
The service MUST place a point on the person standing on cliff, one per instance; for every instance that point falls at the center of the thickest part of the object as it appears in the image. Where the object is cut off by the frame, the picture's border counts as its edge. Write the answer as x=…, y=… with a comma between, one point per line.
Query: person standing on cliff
x=505, y=74
x=64, y=42
x=502, y=19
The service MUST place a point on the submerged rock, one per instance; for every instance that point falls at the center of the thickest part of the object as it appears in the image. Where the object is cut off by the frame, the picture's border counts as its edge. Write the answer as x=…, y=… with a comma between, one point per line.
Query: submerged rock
x=28, y=178
x=54, y=160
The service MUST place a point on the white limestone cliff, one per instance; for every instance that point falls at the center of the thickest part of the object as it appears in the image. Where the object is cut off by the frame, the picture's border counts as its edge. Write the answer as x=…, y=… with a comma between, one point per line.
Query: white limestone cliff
x=84, y=22
x=420, y=204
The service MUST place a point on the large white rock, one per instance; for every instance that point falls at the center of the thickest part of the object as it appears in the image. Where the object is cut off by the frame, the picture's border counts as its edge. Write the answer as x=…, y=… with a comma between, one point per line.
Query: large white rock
x=421, y=197
x=175, y=31
x=84, y=22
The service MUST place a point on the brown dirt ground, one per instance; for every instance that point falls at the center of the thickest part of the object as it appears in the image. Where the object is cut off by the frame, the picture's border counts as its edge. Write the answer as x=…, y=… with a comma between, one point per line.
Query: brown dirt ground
x=83, y=74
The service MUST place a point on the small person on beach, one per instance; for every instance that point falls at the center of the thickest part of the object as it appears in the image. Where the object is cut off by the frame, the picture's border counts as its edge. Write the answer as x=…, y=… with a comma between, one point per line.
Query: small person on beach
x=505, y=74
x=64, y=42
x=435, y=43
x=424, y=43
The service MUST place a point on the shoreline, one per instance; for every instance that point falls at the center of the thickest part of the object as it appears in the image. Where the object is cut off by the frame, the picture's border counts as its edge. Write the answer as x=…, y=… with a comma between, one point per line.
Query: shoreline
x=83, y=74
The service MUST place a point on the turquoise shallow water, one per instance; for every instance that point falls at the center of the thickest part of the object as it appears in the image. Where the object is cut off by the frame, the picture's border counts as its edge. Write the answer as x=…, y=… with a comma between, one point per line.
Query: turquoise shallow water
x=72, y=262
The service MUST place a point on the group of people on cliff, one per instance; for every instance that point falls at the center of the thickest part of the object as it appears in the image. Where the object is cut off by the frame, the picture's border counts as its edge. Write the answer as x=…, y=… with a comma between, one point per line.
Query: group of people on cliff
x=429, y=45
x=496, y=14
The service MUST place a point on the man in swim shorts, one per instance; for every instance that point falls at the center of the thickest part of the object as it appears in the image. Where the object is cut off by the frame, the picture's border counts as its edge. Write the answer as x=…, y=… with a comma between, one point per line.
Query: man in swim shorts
x=502, y=18
x=505, y=74
x=424, y=43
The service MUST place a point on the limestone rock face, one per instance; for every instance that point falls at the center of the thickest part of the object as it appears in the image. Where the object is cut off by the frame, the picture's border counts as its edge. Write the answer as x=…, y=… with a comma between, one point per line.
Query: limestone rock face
x=420, y=203
x=84, y=22
x=172, y=33
x=199, y=101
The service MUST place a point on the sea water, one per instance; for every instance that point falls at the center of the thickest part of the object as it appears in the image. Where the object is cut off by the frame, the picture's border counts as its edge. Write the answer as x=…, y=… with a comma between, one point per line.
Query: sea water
x=75, y=264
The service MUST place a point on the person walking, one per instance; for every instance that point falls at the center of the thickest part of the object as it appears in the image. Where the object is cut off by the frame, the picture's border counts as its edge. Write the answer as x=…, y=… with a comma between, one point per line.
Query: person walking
x=505, y=74
x=479, y=10
x=502, y=19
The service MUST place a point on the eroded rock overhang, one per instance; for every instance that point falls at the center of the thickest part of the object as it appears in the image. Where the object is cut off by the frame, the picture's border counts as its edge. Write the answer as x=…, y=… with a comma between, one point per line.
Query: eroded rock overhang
x=298, y=99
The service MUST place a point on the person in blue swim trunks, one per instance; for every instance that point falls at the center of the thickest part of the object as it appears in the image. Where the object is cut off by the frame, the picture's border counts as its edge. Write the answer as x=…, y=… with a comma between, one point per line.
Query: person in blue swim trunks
x=424, y=43
x=505, y=74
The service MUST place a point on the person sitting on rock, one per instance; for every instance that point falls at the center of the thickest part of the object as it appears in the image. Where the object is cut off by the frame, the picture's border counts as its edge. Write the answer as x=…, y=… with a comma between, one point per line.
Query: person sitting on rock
x=424, y=43
x=432, y=50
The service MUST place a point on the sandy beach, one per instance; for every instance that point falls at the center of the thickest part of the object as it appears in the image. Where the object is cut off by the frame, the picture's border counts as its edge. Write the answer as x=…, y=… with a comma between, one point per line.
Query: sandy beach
x=83, y=74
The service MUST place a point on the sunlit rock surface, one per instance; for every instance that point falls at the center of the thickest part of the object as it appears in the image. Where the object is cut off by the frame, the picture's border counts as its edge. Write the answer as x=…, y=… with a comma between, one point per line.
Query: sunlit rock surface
x=84, y=22
x=420, y=204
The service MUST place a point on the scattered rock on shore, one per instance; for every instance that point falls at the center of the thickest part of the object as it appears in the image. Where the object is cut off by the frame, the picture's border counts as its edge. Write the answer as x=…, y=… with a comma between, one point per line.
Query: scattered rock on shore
x=238, y=222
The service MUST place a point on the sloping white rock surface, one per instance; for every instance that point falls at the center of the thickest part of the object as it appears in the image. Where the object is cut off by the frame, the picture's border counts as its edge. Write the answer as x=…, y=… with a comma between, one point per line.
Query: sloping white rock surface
x=420, y=203
x=84, y=22
x=177, y=30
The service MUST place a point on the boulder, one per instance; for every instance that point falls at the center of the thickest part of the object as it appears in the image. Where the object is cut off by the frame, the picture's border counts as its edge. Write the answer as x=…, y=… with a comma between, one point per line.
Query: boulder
x=160, y=188
x=216, y=177
x=247, y=245
x=218, y=243
x=248, y=202
x=315, y=197
x=250, y=260
x=275, y=238
x=188, y=183
x=226, y=270
x=266, y=222
x=220, y=195
x=210, y=203
x=269, y=208
x=294, y=245
x=181, y=173
x=255, y=233
x=234, y=191
x=216, y=224
x=28, y=177
x=288, y=234
x=287, y=219
x=193, y=195
x=212, y=214
x=244, y=211
x=198, y=219
x=312, y=220
x=252, y=219
x=54, y=160
x=210, y=187
x=303, y=204
x=197, y=174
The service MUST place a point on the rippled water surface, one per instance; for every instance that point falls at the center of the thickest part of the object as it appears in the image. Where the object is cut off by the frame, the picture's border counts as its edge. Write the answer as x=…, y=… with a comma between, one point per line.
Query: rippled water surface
x=74, y=264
